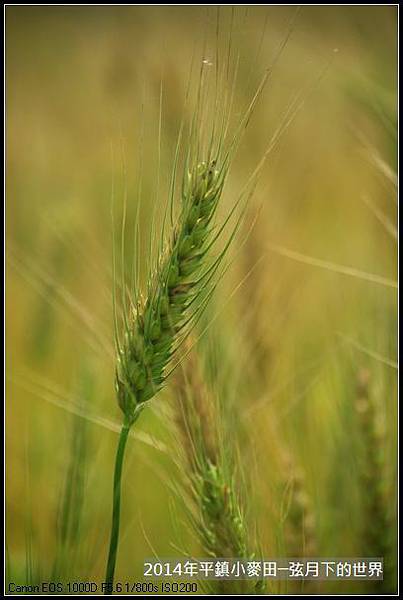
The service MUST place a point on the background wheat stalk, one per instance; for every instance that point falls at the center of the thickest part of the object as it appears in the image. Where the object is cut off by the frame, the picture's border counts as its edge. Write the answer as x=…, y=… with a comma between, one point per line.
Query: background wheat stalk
x=213, y=482
x=377, y=503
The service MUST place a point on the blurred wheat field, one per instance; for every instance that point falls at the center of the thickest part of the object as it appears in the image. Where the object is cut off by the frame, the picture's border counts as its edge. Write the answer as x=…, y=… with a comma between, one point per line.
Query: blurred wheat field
x=301, y=341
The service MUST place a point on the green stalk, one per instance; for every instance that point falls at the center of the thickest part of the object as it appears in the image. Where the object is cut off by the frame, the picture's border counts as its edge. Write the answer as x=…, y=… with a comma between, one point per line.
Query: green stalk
x=117, y=479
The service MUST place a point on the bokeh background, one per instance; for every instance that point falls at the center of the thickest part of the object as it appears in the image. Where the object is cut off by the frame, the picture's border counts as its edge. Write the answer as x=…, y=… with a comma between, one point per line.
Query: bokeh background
x=309, y=347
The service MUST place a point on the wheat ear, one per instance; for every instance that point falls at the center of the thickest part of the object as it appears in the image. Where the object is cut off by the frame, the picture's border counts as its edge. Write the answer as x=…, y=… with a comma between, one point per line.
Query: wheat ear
x=177, y=293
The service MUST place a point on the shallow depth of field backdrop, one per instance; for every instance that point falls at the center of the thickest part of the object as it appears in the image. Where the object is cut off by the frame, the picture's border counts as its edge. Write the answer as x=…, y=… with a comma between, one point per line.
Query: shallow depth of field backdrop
x=307, y=349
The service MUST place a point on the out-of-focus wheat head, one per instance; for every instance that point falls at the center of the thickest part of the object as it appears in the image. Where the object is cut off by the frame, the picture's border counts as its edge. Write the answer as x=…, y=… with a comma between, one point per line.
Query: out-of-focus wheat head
x=213, y=481
x=376, y=493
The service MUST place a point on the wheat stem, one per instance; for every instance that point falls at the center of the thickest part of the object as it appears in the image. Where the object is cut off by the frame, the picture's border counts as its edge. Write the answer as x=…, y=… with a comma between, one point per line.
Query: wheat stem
x=117, y=479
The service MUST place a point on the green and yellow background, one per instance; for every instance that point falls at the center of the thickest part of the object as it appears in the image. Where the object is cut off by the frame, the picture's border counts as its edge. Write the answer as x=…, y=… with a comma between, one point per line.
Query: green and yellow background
x=310, y=347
